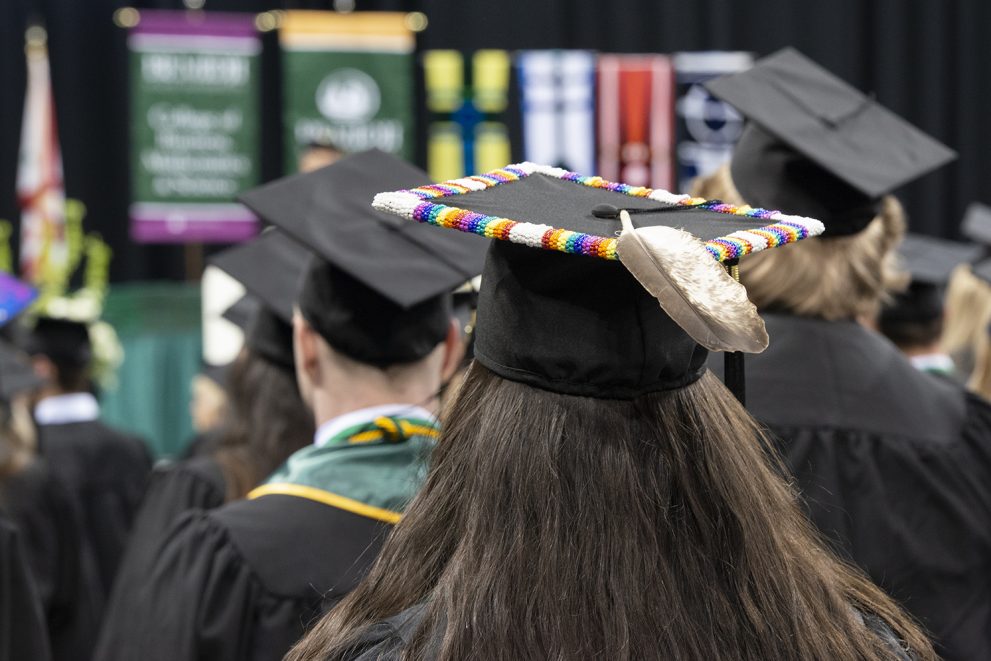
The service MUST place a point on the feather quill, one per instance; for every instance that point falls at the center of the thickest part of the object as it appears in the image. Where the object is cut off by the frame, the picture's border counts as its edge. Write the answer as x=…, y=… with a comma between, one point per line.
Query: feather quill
x=693, y=288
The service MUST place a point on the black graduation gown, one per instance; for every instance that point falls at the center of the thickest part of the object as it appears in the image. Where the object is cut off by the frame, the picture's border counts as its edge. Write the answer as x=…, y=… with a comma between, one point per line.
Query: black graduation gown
x=23, y=634
x=244, y=581
x=894, y=467
x=106, y=472
x=193, y=484
x=62, y=568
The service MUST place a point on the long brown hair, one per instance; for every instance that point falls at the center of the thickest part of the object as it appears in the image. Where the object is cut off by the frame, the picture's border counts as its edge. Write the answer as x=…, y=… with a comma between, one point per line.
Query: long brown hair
x=267, y=422
x=563, y=527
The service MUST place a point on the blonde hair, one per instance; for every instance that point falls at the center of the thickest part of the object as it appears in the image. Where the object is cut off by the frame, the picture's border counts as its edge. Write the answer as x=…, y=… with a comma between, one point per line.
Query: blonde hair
x=968, y=313
x=18, y=441
x=841, y=278
x=980, y=378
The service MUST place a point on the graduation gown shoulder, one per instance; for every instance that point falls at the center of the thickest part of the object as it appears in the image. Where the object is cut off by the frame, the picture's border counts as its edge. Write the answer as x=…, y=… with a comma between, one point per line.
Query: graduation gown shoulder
x=22, y=628
x=192, y=484
x=893, y=465
x=106, y=471
x=244, y=581
x=61, y=567
x=387, y=640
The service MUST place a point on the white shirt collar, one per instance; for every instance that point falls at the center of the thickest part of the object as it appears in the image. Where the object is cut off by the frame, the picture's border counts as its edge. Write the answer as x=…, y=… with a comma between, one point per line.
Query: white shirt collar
x=933, y=362
x=335, y=426
x=66, y=409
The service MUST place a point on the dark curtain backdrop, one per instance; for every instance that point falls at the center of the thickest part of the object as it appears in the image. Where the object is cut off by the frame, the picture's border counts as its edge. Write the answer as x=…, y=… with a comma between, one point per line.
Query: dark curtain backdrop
x=928, y=60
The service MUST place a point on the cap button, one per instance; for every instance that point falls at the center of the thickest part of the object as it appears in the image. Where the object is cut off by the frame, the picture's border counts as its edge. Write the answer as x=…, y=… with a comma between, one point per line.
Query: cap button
x=605, y=211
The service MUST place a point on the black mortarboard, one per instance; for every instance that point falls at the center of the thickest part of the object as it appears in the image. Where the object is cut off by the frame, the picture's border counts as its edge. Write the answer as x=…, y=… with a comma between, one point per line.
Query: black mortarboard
x=930, y=261
x=983, y=270
x=818, y=147
x=242, y=311
x=265, y=332
x=271, y=268
x=63, y=341
x=380, y=292
x=15, y=297
x=567, y=306
x=976, y=224
x=16, y=373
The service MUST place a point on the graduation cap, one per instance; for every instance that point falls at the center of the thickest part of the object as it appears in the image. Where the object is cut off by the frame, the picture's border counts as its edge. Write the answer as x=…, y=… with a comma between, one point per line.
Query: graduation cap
x=976, y=224
x=242, y=311
x=816, y=146
x=271, y=268
x=15, y=296
x=982, y=270
x=16, y=373
x=65, y=342
x=930, y=262
x=570, y=291
x=380, y=290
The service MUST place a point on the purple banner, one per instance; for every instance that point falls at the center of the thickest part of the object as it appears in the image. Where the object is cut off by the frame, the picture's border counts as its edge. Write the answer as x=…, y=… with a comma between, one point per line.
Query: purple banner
x=174, y=223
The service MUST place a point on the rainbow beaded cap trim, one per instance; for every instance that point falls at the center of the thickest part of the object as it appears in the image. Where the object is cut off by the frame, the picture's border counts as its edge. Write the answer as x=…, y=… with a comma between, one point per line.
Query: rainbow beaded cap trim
x=416, y=204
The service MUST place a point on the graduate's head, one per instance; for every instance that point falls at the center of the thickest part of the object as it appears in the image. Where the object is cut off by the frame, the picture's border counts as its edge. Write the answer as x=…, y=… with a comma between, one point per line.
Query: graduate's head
x=354, y=342
x=61, y=353
x=592, y=478
x=17, y=430
x=913, y=320
x=818, y=147
x=318, y=154
x=968, y=313
x=375, y=303
x=844, y=277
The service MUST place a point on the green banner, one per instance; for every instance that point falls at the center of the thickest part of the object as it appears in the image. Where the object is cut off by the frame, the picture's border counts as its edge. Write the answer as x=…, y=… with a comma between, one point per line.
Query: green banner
x=194, y=126
x=348, y=81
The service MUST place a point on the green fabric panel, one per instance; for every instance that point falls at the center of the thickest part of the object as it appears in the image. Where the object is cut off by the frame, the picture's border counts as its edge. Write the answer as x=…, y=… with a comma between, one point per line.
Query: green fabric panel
x=159, y=328
x=384, y=474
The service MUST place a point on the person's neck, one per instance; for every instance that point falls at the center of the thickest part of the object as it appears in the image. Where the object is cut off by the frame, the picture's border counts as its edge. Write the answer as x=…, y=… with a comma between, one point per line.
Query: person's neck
x=921, y=349
x=49, y=391
x=327, y=406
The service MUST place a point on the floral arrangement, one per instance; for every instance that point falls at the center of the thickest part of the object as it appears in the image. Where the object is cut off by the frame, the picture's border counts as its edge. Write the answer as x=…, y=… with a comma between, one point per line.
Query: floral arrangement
x=90, y=254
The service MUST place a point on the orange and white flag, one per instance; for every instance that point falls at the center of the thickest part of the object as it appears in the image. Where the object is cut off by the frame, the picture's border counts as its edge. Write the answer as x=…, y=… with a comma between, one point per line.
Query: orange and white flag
x=40, y=190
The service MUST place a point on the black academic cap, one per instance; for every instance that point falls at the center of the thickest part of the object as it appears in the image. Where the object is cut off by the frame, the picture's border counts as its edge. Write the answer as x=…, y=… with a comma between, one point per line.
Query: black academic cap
x=977, y=223
x=16, y=373
x=380, y=291
x=818, y=147
x=271, y=268
x=242, y=311
x=982, y=270
x=567, y=306
x=930, y=261
x=15, y=296
x=63, y=341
